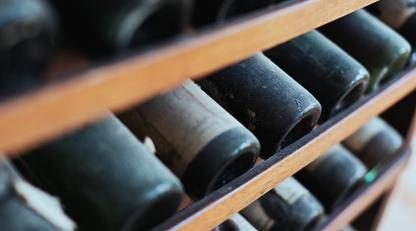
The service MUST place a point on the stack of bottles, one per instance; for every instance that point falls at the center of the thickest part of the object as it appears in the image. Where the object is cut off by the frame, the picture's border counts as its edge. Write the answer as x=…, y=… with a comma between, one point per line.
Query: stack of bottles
x=32, y=32
x=302, y=202
x=130, y=171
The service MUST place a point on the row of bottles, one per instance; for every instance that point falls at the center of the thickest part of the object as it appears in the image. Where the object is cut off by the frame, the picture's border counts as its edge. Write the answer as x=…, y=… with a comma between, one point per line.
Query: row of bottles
x=32, y=31
x=104, y=173
x=130, y=171
x=302, y=202
x=338, y=168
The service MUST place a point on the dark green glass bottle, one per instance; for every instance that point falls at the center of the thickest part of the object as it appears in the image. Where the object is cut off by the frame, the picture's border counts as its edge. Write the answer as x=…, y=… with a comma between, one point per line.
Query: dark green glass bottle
x=107, y=26
x=289, y=206
x=197, y=139
x=28, y=37
x=106, y=178
x=333, y=176
x=375, y=45
x=398, y=14
x=374, y=143
x=335, y=78
x=24, y=207
x=266, y=100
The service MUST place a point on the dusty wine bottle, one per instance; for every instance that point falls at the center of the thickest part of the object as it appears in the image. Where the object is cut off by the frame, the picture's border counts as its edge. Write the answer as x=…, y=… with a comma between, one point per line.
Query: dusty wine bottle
x=375, y=45
x=216, y=11
x=24, y=207
x=373, y=143
x=335, y=78
x=333, y=176
x=27, y=42
x=196, y=138
x=398, y=14
x=106, y=178
x=235, y=223
x=289, y=206
x=266, y=100
x=103, y=27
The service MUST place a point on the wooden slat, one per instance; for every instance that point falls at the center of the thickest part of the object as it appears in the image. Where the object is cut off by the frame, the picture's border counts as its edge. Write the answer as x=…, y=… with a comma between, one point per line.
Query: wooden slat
x=213, y=210
x=61, y=107
x=362, y=199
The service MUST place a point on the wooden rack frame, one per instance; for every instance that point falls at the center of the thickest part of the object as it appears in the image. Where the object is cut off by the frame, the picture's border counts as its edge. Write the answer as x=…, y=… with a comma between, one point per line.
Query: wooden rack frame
x=57, y=108
x=61, y=107
x=217, y=207
x=367, y=195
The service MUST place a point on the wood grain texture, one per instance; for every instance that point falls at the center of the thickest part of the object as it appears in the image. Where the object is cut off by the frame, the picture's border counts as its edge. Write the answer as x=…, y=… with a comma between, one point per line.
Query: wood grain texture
x=212, y=211
x=55, y=109
x=362, y=199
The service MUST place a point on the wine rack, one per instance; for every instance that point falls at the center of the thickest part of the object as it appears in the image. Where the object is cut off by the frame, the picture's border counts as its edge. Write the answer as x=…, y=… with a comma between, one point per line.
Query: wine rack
x=367, y=195
x=215, y=208
x=83, y=96
x=87, y=95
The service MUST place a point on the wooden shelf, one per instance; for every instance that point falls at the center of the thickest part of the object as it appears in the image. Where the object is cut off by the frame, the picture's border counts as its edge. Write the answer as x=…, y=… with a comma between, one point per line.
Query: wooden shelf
x=67, y=103
x=217, y=207
x=364, y=197
x=57, y=108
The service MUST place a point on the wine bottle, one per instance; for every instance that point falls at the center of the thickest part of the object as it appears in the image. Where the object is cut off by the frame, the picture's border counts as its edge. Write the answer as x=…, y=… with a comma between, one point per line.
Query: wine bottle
x=379, y=48
x=24, y=207
x=217, y=11
x=235, y=223
x=106, y=178
x=398, y=14
x=335, y=78
x=196, y=138
x=28, y=36
x=266, y=100
x=288, y=206
x=333, y=176
x=375, y=142
x=104, y=27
